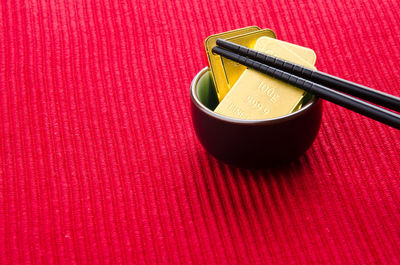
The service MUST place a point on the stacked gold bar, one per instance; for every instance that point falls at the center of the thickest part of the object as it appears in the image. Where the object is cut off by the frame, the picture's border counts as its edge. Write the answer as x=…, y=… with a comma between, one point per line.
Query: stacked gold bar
x=247, y=94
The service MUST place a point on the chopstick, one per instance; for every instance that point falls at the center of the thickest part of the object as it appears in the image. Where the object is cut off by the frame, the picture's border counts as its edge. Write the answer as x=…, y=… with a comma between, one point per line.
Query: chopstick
x=354, y=89
x=374, y=112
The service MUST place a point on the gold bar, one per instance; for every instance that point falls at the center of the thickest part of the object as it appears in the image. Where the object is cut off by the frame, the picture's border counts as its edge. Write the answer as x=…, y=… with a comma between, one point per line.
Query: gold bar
x=234, y=70
x=220, y=76
x=258, y=96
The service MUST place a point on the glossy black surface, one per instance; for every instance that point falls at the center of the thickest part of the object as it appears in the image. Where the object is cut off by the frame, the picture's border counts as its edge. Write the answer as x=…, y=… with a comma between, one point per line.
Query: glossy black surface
x=257, y=143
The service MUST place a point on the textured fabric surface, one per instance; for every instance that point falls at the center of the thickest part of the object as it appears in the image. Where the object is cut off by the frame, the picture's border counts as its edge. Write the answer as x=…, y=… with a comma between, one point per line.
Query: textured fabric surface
x=99, y=162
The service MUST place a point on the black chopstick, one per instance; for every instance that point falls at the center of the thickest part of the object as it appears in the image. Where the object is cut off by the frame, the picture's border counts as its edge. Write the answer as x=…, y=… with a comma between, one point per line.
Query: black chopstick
x=357, y=90
x=379, y=114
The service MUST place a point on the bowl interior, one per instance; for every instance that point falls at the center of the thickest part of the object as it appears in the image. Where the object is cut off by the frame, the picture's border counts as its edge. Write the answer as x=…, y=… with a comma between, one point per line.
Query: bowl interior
x=205, y=91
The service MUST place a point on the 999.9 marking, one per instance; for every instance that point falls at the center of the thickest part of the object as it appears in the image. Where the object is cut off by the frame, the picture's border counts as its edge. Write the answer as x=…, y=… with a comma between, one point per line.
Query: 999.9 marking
x=257, y=104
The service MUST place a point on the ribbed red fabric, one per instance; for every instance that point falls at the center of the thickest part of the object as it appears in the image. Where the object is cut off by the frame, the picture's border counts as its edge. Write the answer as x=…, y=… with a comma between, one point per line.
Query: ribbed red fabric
x=99, y=162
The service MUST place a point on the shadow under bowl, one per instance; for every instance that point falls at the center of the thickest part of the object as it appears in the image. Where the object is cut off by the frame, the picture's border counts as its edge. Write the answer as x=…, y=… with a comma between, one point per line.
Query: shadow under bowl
x=251, y=143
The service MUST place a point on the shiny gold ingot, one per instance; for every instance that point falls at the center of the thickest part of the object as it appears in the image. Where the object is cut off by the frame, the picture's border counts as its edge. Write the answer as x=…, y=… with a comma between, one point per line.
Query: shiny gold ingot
x=216, y=66
x=258, y=96
x=234, y=70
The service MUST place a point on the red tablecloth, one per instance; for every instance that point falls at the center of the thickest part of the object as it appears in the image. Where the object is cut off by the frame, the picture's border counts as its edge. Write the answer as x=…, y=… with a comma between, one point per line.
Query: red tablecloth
x=99, y=162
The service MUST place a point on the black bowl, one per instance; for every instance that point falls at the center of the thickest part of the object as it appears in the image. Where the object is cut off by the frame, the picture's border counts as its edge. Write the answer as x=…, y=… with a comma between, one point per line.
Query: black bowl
x=251, y=143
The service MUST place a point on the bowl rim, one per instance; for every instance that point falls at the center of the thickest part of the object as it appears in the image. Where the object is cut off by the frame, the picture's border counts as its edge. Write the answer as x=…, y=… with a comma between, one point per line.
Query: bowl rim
x=207, y=111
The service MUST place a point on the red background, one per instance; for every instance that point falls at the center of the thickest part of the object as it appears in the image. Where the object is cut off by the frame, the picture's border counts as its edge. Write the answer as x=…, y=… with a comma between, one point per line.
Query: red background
x=99, y=162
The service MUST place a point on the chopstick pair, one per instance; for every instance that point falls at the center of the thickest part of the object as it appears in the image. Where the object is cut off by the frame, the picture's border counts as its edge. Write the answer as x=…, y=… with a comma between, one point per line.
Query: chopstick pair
x=316, y=83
